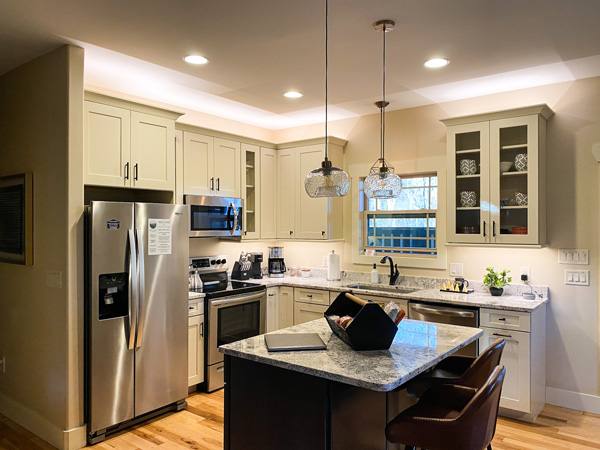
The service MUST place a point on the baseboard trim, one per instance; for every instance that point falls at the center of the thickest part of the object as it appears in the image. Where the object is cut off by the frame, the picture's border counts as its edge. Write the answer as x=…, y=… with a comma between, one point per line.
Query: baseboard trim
x=72, y=439
x=573, y=400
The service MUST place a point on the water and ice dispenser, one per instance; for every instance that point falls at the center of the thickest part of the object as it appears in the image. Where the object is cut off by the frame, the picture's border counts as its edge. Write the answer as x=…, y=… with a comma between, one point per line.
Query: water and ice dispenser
x=113, y=295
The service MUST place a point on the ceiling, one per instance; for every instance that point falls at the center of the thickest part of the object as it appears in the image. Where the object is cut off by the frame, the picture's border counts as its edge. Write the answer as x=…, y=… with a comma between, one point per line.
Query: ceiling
x=260, y=49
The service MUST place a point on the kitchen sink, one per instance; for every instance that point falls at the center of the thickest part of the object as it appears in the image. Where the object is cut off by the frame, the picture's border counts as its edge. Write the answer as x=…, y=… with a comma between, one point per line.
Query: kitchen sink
x=371, y=287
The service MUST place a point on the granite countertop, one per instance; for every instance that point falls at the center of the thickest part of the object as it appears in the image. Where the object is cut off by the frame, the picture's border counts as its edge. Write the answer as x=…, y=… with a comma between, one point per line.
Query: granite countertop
x=417, y=347
x=195, y=294
x=475, y=299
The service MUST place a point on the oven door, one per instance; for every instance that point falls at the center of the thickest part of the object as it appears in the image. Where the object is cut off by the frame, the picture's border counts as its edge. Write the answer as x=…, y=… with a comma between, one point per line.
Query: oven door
x=214, y=216
x=233, y=318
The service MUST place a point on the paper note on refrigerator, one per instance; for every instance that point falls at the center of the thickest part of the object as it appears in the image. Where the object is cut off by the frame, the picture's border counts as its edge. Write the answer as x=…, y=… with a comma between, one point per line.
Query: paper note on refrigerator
x=159, y=236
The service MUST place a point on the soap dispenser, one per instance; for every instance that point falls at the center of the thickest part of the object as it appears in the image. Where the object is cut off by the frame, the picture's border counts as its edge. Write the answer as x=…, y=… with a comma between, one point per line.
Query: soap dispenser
x=374, y=274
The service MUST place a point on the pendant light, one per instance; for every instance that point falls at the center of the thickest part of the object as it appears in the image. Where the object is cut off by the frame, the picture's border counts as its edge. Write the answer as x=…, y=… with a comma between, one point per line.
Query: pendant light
x=382, y=182
x=326, y=181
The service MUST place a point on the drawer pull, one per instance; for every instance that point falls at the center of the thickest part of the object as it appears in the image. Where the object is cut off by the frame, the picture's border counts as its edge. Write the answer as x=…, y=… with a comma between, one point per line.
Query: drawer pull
x=271, y=295
x=502, y=335
x=503, y=319
x=309, y=295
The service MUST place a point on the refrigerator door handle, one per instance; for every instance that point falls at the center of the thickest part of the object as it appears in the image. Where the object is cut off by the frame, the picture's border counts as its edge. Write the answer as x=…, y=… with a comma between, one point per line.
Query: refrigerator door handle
x=142, y=280
x=133, y=277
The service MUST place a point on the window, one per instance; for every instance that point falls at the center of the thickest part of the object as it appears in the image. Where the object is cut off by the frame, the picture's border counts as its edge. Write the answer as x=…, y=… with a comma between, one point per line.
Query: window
x=405, y=225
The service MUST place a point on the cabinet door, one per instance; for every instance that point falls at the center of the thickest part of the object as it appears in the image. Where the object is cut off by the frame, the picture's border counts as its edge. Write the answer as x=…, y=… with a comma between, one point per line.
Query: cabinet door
x=314, y=296
x=268, y=193
x=251, y=189
x=152, y=152
x=286, y=193
x=516, y=358
x=511, y=141
x=197, y=164
x=311, y=213
x=305, y=312
x=286, y=307
x=227, y=168
x=195, y=350
x=272, y=309
x=468, y=222
x=106, y=145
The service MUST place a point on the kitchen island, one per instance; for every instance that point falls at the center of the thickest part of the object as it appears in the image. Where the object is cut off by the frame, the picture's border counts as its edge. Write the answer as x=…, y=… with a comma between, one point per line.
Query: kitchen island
x=331, y=399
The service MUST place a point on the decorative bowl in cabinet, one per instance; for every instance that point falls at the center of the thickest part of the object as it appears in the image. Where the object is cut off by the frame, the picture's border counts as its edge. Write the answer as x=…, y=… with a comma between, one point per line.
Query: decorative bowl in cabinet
x=505, y=166
x=503, y=201
x=521, y=198
x=468, y=166
x=521, y=162
x=468, y=199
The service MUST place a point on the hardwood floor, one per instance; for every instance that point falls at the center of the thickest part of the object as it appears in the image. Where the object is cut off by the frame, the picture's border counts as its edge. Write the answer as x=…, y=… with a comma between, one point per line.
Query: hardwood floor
x=200, y=427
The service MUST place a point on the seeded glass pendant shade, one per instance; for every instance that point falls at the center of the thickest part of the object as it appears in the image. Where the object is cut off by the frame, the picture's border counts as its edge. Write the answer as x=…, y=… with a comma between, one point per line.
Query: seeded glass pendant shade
x=326, y=181
x=382, y=182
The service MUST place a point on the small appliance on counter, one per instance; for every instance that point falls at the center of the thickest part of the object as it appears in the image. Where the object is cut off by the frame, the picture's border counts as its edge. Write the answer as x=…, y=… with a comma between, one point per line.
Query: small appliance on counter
x=256, y=258
x=276, y=264
x=194, y=282
x=241, y=268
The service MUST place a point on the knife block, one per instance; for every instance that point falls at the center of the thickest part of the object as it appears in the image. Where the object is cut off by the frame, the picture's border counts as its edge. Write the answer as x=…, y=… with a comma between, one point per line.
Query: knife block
x=371, y=328
x=238, y=274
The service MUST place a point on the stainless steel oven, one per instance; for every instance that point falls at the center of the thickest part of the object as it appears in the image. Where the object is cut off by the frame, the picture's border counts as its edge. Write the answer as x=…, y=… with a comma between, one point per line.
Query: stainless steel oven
x=230, y=319
x=212, y=216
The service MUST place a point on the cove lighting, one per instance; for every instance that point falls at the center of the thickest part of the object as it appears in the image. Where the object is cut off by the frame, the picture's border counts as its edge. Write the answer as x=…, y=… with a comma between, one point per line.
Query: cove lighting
x=195, y=59
x=293, y=94
x=437, y=62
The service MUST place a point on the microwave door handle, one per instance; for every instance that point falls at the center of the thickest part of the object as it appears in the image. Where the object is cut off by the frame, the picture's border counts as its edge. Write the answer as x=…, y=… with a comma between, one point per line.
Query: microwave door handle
x=133, y=289
x=235, y=218
x=142, y=295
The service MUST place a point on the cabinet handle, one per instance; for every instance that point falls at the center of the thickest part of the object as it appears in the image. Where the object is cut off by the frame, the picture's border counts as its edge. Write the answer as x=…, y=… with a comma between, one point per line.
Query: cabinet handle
x=502, y=335
x=291, y=232
x=135, y=169
x=202, y=329
x=309, y=296
x=245, y=233
x=127, y=171
x=322, y=233
x=218, y=184
x=494, y=228
x=271, y=295
x=484, y=228
x=503, y=319
x=212, y=183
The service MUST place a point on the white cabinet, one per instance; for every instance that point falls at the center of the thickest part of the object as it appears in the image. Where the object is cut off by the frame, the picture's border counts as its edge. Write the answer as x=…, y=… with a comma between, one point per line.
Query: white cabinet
x=268, y=193
x=305, y=312
x=195, y=350
x=298, y=215
x=286, y=307
x=211, y=166
x=128, y=145
x=524, y=356
x=272, y=309
x=487, y=206
x=251, y=190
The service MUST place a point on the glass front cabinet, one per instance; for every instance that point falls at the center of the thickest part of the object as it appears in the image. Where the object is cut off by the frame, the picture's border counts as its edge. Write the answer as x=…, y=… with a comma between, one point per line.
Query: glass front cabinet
x=251, y=190
x=496, y=177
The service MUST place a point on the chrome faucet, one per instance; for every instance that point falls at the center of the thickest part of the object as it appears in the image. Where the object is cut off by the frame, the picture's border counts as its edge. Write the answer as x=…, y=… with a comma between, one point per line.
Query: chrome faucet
x=394, y=275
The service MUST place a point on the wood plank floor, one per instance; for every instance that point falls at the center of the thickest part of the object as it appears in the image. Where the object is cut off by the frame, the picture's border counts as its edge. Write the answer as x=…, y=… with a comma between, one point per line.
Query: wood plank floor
x=200, y=427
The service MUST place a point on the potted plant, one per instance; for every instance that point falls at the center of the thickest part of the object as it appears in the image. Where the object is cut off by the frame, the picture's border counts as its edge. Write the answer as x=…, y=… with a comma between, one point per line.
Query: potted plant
x=496, y=281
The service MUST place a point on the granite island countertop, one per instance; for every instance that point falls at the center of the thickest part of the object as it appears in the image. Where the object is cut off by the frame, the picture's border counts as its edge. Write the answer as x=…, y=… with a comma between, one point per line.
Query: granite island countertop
x=417, y=347
x=474, y=299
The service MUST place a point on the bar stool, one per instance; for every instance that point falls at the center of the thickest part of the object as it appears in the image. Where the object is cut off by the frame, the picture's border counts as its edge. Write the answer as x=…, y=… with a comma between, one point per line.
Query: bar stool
x=450, y=417
x=462, y=370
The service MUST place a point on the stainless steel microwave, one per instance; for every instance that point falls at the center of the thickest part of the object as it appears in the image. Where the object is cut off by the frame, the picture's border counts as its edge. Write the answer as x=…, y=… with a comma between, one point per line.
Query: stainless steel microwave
x=214, y=216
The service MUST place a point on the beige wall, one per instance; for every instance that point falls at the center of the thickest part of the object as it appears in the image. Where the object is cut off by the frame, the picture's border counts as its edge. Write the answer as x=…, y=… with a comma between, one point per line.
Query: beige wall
x=40, y=334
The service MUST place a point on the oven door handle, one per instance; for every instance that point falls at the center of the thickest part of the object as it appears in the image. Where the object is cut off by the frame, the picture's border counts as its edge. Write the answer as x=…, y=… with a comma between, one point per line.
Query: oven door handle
x=241, y=299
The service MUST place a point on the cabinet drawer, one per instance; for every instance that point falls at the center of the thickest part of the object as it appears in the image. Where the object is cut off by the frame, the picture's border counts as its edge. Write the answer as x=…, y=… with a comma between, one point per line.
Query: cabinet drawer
x=314, y=296
x=506, y=320
x=196, y=307
x=305, y=312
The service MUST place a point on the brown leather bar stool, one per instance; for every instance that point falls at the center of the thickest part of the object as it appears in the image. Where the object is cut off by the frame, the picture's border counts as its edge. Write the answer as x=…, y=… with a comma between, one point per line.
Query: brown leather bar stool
x=462, y=370
x=450, y=417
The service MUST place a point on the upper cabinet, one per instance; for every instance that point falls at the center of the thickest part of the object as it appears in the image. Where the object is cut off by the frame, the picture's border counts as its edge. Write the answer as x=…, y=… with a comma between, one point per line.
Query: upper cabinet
x=497, y=177
x=251, y=189
x=211, y=166
x=268, y=193
x=128, y=144
x=298, y=215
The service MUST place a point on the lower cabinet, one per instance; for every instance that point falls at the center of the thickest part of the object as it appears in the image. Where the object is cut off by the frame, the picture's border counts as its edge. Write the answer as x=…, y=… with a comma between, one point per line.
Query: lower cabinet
x=305, y=312
x=524, y=357
x=272, y=309
x=286, y=307
x=195, y=350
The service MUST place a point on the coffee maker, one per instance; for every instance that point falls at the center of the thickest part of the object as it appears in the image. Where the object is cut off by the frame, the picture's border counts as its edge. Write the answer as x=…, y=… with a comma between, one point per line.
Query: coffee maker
x=276, y=264
x=255, y=258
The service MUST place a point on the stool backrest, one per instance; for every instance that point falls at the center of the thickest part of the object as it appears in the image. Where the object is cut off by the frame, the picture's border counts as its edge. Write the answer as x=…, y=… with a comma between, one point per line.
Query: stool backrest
x=481, y=368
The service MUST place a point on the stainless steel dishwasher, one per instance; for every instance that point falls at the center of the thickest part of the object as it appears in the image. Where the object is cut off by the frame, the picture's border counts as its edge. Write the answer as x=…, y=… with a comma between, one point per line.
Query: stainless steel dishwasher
x=452, y=315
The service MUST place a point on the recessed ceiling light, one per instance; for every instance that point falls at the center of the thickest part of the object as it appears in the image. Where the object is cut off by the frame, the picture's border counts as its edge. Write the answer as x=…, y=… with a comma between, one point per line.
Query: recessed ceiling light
x=195, y=59
x=437, y=62
x=293, y=94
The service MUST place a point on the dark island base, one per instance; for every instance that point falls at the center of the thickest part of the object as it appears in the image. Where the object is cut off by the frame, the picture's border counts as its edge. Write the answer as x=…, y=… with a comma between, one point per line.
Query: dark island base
x=268, y=407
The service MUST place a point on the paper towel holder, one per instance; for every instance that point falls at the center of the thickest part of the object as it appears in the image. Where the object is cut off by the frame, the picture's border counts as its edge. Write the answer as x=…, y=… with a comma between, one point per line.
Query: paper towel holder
x=333, y=269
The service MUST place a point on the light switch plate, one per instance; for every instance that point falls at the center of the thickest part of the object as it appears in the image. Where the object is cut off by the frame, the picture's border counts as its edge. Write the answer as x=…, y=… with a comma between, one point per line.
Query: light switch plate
x=325, y=261
x=573, y=256
x=456, y=269
x=577, y=277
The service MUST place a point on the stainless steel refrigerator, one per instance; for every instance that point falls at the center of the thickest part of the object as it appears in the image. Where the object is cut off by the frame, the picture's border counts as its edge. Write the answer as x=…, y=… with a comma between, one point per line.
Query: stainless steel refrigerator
x=136, y=312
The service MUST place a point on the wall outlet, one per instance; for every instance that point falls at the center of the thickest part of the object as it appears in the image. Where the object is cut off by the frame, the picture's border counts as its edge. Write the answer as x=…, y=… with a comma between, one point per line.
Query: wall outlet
x=573, y=256
x=325, y=261
x=456, y=269
x=577, y=277
x=525, y=271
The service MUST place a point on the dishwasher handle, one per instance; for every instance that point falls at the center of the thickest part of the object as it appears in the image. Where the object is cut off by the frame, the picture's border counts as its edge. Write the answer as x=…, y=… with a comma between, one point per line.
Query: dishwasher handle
x=442, y=312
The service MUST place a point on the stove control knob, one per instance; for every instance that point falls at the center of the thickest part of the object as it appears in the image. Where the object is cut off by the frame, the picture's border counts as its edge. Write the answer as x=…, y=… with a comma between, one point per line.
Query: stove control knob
x=223, y=261
x=218, y=261
x=213, y=262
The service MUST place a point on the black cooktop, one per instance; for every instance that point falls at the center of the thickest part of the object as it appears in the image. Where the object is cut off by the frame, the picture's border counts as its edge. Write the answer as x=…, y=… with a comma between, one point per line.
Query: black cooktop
x=224, y=289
